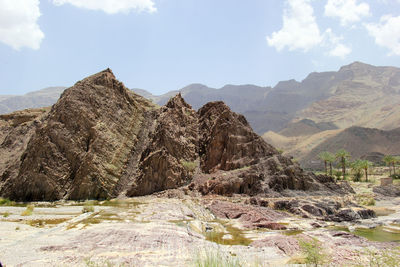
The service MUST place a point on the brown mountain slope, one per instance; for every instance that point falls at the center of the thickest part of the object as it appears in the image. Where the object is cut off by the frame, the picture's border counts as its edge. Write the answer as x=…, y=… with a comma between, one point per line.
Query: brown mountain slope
x=359, y=141
x=368, y=97
x=306, y=127
x=100, y=140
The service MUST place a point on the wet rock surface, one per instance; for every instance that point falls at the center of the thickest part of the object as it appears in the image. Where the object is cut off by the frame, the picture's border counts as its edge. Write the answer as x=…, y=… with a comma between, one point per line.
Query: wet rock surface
x=154, y=231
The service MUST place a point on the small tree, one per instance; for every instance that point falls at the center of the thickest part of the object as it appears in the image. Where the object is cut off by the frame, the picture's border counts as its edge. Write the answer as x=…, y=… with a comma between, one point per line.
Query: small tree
x=323, y=156
x=365, y=165
x=314, y=253
x=331, y=160
x=356, y=170
x=388, y=159
x=342, y=157
x=395, y=160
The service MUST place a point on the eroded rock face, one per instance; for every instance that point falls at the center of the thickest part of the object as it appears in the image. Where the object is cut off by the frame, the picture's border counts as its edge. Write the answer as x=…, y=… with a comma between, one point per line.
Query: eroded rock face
x=100, y=141
x=326, y=209
x=81, y=148
x=235, y=160
x=172, y=152
x=16, y=129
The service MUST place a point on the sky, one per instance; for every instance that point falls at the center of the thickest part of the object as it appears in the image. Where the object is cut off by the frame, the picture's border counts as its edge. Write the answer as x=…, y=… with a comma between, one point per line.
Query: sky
x=163, y=45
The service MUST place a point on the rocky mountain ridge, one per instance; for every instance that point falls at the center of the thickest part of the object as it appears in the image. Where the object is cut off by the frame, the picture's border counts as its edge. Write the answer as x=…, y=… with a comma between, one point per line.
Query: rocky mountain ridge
x=38, y=99
x=101, y=141
x=356, y=95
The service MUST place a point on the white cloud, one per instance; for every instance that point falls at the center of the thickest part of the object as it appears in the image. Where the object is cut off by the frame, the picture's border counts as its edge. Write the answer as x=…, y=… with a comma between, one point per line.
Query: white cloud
x=340, y=50
x=387, y=33
x=348, y=11
x=335, y=45
x=112, y=6
x=18, y=23
x=300, y=30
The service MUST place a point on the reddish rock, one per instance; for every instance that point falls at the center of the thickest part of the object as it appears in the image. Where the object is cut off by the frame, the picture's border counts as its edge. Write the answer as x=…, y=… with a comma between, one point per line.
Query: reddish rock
x=249, y=216
x=270, y=225
x=289, y=245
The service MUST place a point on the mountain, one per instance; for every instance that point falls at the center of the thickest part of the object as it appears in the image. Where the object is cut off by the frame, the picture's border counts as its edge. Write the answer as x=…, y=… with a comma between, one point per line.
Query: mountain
x=101, y=140
x=365, y=95
x=42, y=98
x=364, y=101
x=360, y=142
x=356, y=95
x=246, y=99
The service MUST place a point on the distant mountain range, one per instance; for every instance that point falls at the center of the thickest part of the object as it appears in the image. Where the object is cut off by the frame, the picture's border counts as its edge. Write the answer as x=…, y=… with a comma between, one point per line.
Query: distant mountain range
x=42, y=98
x=295, y=116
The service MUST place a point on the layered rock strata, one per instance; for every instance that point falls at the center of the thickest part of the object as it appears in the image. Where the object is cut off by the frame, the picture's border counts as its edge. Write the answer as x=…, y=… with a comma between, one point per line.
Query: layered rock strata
x=101, y=141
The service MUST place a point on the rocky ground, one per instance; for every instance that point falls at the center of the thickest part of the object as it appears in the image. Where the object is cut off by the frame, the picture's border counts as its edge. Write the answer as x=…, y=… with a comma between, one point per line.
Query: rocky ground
x=175, y=229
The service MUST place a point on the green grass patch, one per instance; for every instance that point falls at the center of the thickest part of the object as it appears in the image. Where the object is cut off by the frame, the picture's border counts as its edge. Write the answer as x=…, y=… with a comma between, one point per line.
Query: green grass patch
x=6, y=202
x=365, y=199
x=28, y=211
x=190, y=166
x=212, y=258
x=87, y=208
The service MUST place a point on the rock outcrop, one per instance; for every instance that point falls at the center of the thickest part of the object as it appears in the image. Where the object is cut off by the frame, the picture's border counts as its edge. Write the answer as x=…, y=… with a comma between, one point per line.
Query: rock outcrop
x=100, y=141
x=173, y=149
x=80, y=149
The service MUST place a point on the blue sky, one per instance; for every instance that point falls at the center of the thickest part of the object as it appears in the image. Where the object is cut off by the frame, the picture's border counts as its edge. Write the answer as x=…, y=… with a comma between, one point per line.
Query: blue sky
x=163, y=45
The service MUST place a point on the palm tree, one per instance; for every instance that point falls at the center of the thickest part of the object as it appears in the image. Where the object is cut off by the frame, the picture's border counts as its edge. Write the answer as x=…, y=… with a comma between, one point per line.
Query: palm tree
x=356, y=170
x=325, y=157
x=342, y=156
x=388, y=159
x=365, y=164
x=395, y=160
x=329, y=158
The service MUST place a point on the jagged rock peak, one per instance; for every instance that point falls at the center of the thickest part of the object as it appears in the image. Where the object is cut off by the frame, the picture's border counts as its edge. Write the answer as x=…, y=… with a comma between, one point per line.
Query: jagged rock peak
x=216, y=109
x=178, y=102
x=103, y=78
x=356, y=66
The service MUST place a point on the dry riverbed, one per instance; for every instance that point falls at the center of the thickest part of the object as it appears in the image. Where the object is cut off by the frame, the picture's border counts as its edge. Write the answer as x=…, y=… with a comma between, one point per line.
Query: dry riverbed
x=162, y=231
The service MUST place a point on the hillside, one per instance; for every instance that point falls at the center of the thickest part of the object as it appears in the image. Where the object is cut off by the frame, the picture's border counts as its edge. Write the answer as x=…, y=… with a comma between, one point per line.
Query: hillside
x=42, y=98
x=101, y=140
x=359, y=141
x=357, y=95
x=368, y=96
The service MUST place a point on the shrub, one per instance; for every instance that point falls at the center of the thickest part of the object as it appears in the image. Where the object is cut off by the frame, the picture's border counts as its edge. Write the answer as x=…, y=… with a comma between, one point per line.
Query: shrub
x=337, y=174
x=395, y=176
x=28, y=211
x=190, y=166
x=210, y=258
x=6, y=202
x=313, y=252
x=365, y=199
x=6, y=214
x=384, y=258
x=87, y=208
x=357, y=176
